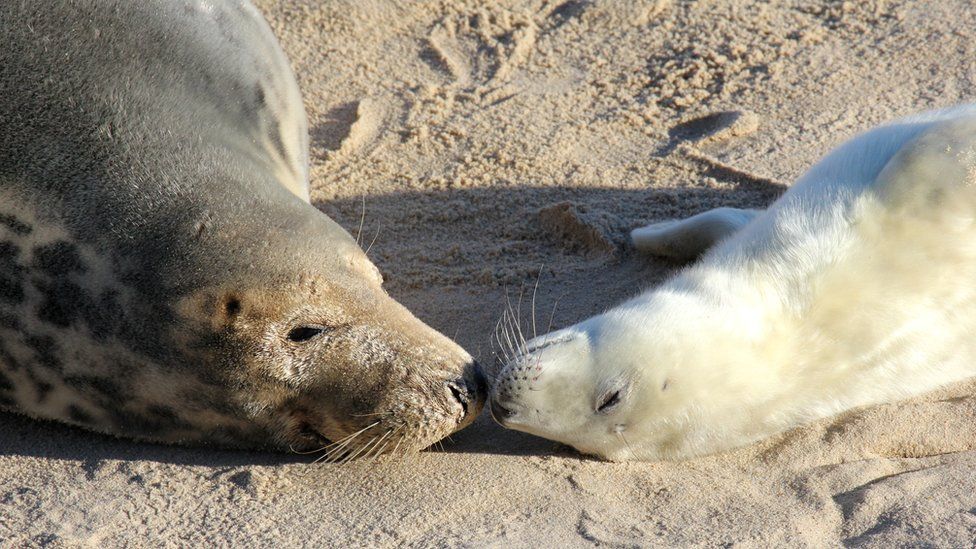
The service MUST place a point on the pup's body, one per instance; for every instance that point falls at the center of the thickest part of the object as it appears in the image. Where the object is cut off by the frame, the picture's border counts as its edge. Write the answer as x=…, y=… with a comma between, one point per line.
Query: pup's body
x=857, y=286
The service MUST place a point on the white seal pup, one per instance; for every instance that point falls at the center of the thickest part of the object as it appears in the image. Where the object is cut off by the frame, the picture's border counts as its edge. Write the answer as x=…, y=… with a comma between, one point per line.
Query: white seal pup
x=857, y=286
x=162, y=273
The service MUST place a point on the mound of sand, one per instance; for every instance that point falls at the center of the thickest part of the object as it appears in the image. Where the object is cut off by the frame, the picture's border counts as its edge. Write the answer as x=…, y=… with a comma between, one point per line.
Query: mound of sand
x=500, y=143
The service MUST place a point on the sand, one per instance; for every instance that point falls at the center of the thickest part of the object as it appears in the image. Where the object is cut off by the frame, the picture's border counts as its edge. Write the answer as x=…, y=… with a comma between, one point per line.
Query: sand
x=498, y=144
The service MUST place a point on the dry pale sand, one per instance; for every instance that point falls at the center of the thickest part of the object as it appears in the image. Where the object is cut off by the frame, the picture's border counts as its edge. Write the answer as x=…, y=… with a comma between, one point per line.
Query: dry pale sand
x=497, y=144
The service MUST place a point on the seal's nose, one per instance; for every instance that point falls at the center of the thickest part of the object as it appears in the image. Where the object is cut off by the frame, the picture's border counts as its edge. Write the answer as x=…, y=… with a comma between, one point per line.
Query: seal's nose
x=470, y=392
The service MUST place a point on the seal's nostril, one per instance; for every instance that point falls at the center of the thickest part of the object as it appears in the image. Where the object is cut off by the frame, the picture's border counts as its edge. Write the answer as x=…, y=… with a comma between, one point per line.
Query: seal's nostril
x=459, y=394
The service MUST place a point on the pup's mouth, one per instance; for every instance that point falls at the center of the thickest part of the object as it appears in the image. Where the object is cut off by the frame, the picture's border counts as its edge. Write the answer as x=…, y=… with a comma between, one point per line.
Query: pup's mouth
x=499, y=412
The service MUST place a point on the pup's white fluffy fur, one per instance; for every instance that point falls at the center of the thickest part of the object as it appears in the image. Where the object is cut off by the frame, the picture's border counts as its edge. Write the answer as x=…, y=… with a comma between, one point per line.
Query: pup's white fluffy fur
x=857, y=286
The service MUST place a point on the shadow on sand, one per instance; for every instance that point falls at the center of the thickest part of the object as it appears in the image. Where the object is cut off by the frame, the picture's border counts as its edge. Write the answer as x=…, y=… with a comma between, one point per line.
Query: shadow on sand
x=476, y=242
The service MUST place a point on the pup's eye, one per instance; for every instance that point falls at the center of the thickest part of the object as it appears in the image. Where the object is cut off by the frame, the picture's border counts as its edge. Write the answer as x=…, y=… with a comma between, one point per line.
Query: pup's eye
x=302, y=334
x=608, y=402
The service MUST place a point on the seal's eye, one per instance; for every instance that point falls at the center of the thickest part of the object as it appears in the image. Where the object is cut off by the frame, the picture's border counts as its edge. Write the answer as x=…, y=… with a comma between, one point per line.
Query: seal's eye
x=302, y=334
x=608, y=402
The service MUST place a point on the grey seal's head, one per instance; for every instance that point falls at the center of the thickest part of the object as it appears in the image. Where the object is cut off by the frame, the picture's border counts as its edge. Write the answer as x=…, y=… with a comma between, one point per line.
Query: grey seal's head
x=162, y=273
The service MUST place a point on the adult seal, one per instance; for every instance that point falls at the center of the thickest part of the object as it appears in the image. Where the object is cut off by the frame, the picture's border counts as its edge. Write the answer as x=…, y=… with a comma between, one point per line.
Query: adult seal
x=162, y=273
x=854, y=288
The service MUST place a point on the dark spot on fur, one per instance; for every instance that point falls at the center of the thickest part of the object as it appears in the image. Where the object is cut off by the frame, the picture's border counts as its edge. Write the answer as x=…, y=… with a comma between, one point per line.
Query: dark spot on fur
x=102, y=389
x=8, y=359
x=58, y=259
x=8, y=321
x=79, y=415
x=230, y=434
x=43, y=389
x=5, y=383
x=104, y=316
x=15, y=225
x=164, y=412
x=8, y=252
x=45, y=351
x=11, y=290
x=156, y=420
x=7, y=402
x=232, y=306
x=63, y=301
x=11, y=274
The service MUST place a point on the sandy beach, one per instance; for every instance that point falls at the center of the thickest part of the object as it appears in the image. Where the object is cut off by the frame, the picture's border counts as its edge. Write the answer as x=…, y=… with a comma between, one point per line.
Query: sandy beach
x=505, y=148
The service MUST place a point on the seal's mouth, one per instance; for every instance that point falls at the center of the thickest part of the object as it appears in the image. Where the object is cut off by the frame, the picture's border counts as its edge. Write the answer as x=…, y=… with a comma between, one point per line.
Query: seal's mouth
x=306, y=431
x=500, y=413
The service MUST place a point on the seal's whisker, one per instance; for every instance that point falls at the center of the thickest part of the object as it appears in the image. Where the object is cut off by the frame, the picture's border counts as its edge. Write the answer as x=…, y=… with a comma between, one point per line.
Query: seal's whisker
x=345, y=441
x=522, y=344
x=513, y=336
x=380, y=445
x=377, y=446
x=342, y=455
x=306, y=452
x=347, y=437
x=507, y=343
x=623, y=438
x=362, y=451
x=337, y=451
x=375, y=236
x=379, y=453
x=326, y=447
x=328, y=456
x=355, y=452
x=552, y=315
x=386, y=413
x=512, y=323
x=397, y=447
x=498, y=337
x=362, y=219
x=518, y=310
x=535, y=289
x=510, y=335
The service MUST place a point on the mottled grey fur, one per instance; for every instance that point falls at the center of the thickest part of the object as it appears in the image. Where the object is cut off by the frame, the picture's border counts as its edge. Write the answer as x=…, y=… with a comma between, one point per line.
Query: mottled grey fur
x=156, y=243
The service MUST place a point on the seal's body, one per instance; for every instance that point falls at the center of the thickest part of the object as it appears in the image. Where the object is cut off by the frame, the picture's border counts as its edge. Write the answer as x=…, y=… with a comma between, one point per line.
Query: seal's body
x=162, y=274
x=855, y=287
